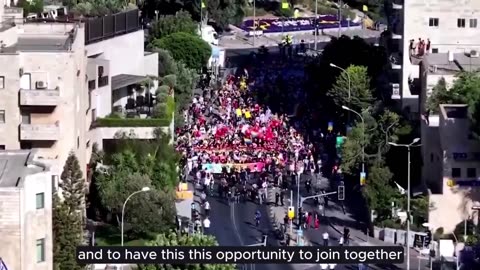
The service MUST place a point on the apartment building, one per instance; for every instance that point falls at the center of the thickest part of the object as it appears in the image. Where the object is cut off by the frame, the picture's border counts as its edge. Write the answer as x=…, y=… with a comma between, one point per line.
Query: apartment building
x=443, y=26
x=42, y=90
x=25, y=211
x=56, y=81
x=451, y=157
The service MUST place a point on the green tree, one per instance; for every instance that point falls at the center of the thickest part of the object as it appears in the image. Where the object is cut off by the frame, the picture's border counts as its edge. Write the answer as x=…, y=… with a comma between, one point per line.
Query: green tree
x=154, y=210
x=465, y=90
x=380, y=127
x=173, y=239
x=72, y=184
x=96, y=8
x=35, y=6
x=67, y=235
x=187, y=48
x=68, y=209
x=352, y=88
x=379, y=191
x=168, y=24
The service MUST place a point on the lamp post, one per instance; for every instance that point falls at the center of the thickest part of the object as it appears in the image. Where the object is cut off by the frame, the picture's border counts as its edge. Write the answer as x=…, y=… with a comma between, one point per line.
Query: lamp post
x=254, y=23
x=349, y=87
x=408, y=146
x=363, y=143
x=144, y=189
x=316, y=24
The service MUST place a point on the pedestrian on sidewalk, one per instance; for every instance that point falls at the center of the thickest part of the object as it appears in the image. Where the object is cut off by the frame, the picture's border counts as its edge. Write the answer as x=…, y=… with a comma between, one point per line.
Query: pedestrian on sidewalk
x=340, y=241
x=308, y=219
x=346, y=235
x=287, y=240
x=317, y=222
x=325, y=237
x=282, y=195
x=277, y=198
x=286, y=222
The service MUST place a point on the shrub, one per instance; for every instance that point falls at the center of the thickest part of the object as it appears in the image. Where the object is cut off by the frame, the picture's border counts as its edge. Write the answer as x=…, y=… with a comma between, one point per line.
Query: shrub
x=187, y=48
x=160, y=110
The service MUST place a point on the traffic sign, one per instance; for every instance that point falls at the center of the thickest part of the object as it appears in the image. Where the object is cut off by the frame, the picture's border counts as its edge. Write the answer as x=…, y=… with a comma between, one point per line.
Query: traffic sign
x=330, y=126
x=363, y=179
x=291, y=212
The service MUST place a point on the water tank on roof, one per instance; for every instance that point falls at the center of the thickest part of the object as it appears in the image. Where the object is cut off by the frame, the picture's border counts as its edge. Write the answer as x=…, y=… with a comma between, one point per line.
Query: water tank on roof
x=450, y=56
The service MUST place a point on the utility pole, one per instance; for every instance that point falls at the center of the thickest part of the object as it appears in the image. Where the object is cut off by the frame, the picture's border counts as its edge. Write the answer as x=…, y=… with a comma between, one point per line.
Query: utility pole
x=340, y=18
x=254, y=23
x=316, y=24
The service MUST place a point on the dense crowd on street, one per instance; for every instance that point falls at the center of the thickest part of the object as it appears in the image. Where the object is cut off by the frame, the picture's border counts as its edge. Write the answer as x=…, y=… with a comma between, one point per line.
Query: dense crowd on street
x=231, y=139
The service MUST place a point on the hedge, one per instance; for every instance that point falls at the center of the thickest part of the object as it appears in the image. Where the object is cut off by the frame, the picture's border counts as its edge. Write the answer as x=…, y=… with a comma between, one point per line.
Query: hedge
x=131, y=122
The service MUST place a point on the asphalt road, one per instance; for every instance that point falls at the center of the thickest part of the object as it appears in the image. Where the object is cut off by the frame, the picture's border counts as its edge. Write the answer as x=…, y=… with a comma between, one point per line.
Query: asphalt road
x=234, y=53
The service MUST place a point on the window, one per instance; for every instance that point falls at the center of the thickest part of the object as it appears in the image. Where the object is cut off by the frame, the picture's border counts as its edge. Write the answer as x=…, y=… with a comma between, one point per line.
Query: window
x=434, y=50
x=54, y=182
x=92, y=84
x=2, y=82
x=40, y=200
x=2, y=116
x=473, y=23
x=40, y=250
x=102, y=81
x=472, y=173
x=433, y=22
x=94, y=115
x=461, y=23
x=2, y=147
x=456, y=172
x=78, y=142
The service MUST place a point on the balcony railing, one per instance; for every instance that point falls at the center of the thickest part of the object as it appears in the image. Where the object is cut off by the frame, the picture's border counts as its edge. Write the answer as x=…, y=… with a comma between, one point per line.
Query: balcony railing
x=47, y=97
x=40, y=132
x=98, y=29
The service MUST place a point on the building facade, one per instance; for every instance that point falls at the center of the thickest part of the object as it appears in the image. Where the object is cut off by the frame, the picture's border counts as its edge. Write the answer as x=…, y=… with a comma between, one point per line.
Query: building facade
x=26, y=187
x=56, y=80
x=441, y=26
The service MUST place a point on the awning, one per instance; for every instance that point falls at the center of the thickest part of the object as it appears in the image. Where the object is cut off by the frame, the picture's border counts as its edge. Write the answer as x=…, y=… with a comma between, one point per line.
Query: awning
x=122, y=80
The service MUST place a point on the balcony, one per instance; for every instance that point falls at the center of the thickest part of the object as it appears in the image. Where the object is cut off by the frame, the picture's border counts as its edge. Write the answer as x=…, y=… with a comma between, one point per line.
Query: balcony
x=40, y=132
x=396, y=60
x=397, y=4
x=39, y=97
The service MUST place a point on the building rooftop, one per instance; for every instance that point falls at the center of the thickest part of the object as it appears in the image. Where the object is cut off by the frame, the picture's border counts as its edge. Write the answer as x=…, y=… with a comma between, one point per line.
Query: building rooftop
x=454, y=111
x=438, y=63
x=15, y=165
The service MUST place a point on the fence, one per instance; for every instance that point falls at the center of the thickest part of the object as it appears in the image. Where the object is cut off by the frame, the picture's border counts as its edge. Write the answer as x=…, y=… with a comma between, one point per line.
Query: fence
x=98, y=29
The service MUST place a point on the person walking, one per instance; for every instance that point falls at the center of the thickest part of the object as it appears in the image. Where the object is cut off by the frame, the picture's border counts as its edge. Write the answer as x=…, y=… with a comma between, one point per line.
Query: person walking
x=308, y=219
x=340, y=241
x=207, y=208
x=277, y=198
x=346, y=235
x=325, y=237
x=317, y=222
x=206, y=225
x=282, y=195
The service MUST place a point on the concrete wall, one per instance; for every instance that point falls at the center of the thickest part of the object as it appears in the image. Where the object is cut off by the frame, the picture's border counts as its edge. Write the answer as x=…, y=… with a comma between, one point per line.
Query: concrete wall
x=125, y=53
x=22, y=224
x=9, y=101
x=453, y=204
x=108, y=133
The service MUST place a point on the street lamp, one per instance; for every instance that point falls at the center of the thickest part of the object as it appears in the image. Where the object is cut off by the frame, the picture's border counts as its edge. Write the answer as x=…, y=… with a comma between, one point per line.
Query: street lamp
x=144, y=189
x=408, y=146
x=349, y=81
x=363, y=143
x=349, y=88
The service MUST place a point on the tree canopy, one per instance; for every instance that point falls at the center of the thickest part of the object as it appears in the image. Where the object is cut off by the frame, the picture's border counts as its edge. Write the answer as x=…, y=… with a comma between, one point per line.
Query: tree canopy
x=352, y=88
x=465, y=90
x=186, y=48
x=175, y=239
x=134, y=164
x=168, y=24
x=67, y=221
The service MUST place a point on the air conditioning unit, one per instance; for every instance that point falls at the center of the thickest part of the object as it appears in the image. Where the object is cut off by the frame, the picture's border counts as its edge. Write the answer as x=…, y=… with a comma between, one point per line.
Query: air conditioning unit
x=395, y=89
x=474, y=54
x=40, y=85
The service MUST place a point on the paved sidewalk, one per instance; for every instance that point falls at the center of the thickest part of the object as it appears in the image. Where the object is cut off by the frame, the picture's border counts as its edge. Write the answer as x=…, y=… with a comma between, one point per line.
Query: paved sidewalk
x=277, y=213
